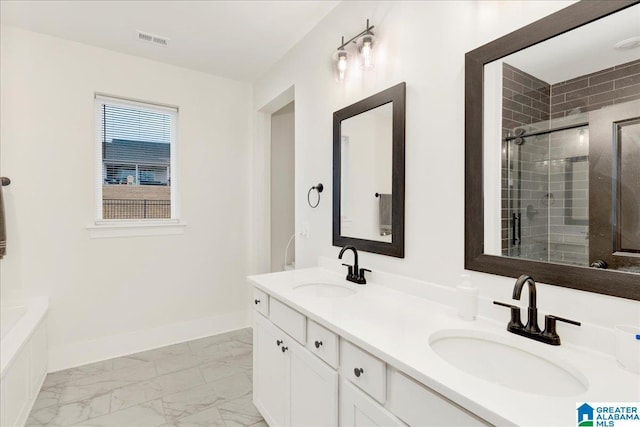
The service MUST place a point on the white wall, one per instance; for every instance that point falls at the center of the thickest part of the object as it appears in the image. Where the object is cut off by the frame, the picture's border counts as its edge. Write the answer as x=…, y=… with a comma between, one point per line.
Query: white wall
x=118, y=295
x=282, y=183
x=421, y=43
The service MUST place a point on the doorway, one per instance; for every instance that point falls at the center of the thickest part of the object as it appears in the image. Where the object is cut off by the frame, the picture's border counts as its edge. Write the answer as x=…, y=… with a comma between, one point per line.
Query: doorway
x=282, y=188
x=261, y=248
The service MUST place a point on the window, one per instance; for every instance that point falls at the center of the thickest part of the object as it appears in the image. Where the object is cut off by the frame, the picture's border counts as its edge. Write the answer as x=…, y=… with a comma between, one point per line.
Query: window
x=135, y=159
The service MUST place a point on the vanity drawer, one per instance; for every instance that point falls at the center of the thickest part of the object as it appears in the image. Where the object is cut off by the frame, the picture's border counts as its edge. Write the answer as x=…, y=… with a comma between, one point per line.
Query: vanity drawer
x=323, y=343
x=260, y=301
x=414, y=404
x=288, y=320
x=366, y=371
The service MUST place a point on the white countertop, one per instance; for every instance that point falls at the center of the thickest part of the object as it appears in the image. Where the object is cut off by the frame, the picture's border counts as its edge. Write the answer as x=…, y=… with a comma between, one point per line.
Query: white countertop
x=396, y=327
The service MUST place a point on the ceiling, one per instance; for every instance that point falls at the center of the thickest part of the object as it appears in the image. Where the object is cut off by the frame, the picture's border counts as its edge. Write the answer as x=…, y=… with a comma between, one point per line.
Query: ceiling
x=234, y=39
x=585, y=50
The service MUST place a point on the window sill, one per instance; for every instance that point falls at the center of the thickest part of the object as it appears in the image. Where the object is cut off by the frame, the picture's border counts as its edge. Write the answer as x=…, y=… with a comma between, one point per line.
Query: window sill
x=107, y=229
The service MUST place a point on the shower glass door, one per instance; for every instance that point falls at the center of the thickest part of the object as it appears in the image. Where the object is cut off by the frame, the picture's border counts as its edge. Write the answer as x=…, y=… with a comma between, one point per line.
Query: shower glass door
x=546, y=192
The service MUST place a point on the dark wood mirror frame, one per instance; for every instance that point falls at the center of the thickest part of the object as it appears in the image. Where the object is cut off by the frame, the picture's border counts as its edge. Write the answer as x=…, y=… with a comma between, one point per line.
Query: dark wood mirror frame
x=396, y=95
x=608, y=282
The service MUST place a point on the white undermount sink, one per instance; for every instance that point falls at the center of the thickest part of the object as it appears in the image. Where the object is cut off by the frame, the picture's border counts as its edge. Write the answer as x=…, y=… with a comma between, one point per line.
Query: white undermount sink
x=498, y=360
x=326, y=290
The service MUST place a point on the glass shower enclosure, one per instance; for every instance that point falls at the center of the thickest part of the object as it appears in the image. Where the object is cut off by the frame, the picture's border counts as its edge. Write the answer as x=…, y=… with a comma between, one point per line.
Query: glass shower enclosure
x=545, y=191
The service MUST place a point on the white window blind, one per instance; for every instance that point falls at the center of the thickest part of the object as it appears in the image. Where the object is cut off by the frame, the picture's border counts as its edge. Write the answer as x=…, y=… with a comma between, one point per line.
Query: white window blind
x=135, y=157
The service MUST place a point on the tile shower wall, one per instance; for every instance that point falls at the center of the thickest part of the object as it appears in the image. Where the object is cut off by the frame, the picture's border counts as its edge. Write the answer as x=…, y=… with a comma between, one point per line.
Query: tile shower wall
x=525, y=101
x=590, y=92
x=553, y=169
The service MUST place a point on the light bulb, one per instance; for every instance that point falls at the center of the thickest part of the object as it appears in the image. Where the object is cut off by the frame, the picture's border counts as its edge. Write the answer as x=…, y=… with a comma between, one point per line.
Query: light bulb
x=366, y=54
x=365, y=51
x=341, y=59
x=342, y=64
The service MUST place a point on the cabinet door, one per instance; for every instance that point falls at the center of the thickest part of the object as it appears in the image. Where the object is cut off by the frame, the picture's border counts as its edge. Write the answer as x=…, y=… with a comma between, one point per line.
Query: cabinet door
x=359, y=410
x=270, y=372
x=314, y=391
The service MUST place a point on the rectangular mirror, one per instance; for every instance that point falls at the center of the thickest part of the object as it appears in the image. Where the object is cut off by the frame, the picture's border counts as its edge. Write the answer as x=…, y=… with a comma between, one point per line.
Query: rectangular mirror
x=368, y=173
x=552, y=141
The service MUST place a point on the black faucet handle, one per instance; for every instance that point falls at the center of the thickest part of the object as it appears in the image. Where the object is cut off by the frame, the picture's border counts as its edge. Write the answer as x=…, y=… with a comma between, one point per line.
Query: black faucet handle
x=361, y=279
x=515, y=322
x=561, y=319
x=504, y=304
x=549, y=333
x=350, y=267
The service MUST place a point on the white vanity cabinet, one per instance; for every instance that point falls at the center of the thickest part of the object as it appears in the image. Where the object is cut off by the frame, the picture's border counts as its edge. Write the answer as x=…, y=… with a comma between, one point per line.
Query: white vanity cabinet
x=296, y=386
x=292, y=387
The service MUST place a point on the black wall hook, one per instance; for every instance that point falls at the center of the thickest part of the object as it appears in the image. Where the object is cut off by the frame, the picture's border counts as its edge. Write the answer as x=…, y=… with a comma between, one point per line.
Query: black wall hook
x=5, y=181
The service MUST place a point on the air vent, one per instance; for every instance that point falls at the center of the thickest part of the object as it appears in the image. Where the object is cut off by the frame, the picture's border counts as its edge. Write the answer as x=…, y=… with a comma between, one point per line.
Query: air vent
x=152, y=38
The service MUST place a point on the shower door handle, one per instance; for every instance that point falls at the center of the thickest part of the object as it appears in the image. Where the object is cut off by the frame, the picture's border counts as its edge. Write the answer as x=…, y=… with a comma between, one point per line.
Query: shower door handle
x=515, y=229
x=599, y=264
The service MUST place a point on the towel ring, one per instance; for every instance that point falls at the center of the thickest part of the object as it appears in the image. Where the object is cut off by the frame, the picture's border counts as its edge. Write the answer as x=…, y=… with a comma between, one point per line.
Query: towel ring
x=319, y=189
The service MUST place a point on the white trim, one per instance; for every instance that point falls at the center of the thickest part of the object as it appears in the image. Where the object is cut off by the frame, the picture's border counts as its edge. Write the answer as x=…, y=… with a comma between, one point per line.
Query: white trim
x=173, y=168
x=138, y=103
x=492, y=155
x=106, y=229
x=98, y=166
x=262, y=194
x=81, y=353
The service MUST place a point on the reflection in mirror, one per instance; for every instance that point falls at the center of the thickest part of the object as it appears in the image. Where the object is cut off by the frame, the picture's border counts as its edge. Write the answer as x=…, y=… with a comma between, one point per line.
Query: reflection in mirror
x=366, y=175
x=556, y=171
x=492, y=147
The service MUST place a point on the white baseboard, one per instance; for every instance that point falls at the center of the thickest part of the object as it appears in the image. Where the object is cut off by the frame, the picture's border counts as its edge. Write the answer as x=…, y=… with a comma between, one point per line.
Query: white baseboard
x=81, y=353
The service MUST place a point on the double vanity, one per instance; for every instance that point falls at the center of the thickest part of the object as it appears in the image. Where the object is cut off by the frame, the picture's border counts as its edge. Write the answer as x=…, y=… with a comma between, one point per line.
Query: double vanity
x=329, y=352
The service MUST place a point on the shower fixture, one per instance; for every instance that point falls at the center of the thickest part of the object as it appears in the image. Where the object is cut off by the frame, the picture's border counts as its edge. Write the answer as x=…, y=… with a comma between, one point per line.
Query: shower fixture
x=531, y=212
x=519, y=140
x=548, y=199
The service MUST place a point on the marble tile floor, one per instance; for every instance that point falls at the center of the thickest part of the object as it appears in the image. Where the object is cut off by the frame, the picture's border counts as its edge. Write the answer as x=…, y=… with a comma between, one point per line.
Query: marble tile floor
x=205, y=382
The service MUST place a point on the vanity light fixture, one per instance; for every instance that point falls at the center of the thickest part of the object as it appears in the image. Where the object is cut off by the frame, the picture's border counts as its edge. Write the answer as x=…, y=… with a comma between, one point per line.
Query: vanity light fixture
x=364, y=42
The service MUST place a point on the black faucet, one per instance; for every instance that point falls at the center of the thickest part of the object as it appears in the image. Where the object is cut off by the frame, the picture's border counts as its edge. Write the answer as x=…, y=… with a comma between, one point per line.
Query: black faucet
x=355, y=274
x=532, y=312
x=532, y=330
